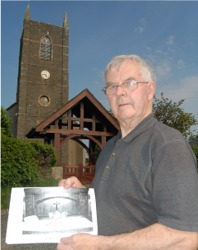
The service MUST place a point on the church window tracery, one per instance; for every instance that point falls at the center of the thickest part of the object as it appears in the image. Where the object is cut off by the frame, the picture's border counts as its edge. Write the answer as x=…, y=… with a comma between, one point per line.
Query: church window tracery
x=46, y=48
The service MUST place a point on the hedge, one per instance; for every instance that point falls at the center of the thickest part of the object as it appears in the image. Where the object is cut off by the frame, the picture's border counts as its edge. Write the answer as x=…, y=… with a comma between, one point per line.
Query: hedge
x=22, y=161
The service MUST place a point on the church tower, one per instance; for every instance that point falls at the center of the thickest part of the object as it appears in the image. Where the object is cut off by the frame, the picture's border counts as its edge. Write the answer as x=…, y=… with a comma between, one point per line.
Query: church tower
x=42, y=110
x=43, y=73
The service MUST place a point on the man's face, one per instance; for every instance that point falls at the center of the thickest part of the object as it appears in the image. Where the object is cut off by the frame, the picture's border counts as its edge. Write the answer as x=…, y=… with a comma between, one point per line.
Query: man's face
x=128, y=105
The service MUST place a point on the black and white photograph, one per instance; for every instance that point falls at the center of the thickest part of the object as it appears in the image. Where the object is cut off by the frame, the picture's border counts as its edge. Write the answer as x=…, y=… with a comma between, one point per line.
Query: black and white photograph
x=47, y=214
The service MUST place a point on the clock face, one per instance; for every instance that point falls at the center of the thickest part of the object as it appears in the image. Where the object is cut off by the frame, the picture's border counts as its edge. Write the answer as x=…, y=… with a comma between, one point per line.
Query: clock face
x=45, y=74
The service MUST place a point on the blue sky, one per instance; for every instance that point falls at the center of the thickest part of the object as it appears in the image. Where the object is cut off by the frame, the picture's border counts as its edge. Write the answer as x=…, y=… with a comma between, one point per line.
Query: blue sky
x=163, y=32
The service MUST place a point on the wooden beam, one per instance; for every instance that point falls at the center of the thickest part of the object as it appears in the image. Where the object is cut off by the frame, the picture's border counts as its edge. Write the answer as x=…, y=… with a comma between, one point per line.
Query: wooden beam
x=77, y=132
x=57, y=146
x=81, y=115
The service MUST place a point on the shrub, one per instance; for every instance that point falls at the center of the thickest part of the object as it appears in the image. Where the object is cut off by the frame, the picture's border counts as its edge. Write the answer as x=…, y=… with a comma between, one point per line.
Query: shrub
x=5, y=123
x=51, y=182
x=18, y=164
x=46, y=159
x=25, y=161
x=5, y=197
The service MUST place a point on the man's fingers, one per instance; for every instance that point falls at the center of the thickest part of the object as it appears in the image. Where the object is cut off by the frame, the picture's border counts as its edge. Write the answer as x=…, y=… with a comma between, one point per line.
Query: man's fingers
x=70, y=182
x=67, y=183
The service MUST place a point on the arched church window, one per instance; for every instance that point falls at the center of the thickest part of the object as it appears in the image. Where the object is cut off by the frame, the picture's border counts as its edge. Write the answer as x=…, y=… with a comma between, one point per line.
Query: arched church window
x=46, y=48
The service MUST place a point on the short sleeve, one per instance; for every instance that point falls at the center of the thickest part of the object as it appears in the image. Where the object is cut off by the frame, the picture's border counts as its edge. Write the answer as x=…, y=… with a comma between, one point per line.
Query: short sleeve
x=175, y=186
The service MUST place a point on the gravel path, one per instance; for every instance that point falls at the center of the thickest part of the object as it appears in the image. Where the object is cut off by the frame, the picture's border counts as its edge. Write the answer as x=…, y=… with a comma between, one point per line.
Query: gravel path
x=5, y=246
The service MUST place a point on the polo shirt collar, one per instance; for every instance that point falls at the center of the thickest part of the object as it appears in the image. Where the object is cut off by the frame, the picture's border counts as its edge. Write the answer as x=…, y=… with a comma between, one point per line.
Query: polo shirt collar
x=140, y=128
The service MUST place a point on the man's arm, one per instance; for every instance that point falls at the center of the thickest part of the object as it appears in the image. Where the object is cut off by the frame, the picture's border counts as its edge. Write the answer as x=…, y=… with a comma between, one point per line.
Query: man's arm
x=154, y=237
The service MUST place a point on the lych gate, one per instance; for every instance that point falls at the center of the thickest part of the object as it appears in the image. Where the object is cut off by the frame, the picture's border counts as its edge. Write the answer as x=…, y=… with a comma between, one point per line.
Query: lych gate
x=83, y=117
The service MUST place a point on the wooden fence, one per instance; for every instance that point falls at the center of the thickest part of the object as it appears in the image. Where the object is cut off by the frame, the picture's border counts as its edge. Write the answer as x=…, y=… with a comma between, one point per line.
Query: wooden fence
x=84, y=173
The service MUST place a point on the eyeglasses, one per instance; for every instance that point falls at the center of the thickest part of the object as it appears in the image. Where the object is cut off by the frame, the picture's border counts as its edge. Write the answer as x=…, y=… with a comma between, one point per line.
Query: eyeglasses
x=127, y=85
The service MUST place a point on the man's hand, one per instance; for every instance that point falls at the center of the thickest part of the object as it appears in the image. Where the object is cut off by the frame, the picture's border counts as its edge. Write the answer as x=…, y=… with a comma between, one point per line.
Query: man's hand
x=71, y=182
x=154, y=237
x=78, y=242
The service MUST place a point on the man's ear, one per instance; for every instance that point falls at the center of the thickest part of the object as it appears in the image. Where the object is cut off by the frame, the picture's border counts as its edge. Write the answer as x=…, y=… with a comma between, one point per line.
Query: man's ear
x=151, y=90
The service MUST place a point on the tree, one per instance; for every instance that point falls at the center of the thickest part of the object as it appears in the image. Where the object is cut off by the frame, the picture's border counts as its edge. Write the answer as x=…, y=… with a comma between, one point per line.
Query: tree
x=19, y=165
x=195, y=150
x=23, y=161
x=193, y=139
x=171, y=114
x=5, y=123
x=46, y=158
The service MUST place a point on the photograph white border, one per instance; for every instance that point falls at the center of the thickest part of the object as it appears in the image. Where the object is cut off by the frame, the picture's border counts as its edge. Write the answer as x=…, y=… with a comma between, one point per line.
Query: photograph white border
x=15, y=223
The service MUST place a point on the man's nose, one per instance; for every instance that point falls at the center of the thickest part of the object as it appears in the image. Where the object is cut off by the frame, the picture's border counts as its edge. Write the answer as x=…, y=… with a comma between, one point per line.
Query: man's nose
x=120, y=90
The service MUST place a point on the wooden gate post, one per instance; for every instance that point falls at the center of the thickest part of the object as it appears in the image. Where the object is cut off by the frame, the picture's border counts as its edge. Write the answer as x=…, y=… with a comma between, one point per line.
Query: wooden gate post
x=58, y=147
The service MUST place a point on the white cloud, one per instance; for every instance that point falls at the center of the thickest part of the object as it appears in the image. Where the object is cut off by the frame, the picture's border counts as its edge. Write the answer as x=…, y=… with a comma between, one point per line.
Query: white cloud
x=170, y=40
x=187, y=88
x=180, y=63
x=163, y=69
x=141, y=27
x=190, y=86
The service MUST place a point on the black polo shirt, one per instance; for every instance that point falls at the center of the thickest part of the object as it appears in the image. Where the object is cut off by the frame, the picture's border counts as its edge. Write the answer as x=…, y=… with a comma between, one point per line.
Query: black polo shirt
x=147, y=177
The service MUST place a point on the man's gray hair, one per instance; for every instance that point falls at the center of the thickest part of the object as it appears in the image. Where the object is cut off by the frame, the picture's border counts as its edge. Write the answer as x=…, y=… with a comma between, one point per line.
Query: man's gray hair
x=145, y=68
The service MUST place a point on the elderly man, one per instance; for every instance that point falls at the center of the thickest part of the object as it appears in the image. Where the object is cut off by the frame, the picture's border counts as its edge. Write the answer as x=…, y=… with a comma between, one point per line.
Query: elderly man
x=146, y=183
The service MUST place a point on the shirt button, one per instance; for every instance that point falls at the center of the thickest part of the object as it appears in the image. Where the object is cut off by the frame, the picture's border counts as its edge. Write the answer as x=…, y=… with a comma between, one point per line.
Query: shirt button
x=113, y=154
x=107, y=167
